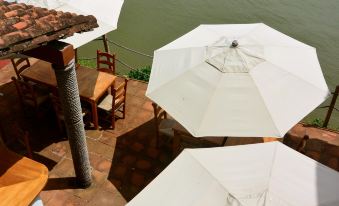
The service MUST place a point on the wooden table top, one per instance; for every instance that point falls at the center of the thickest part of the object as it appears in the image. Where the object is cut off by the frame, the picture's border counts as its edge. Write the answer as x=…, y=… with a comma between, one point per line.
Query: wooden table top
x=92, y=83
x=21, y=179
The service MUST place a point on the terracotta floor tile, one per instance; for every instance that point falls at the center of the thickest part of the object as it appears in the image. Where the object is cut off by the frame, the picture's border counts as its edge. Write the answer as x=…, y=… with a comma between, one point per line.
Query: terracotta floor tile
x=109, y=187
x=60, y=148
x=140, y=93
x=105, y=198
x=87, y=194
x=75, y=201
x=64, y=168
x=59, y=198
x=99, y=163
x=109, y=138
x=99, y=148
x=46, y=196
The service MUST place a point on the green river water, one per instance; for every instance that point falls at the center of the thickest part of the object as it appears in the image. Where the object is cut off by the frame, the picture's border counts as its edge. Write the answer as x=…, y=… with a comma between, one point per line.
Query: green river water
x=146, y=25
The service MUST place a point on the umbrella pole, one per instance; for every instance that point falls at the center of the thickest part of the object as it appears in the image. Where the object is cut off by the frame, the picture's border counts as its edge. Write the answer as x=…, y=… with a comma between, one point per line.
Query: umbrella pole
x=224, y=141
x=69, y=96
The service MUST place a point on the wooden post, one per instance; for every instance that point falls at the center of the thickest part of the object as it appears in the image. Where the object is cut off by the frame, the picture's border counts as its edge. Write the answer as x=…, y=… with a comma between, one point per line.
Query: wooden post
x=331, y=107
x=105, y=40
x=76, y=56
x=2, y=136
x=61, y=55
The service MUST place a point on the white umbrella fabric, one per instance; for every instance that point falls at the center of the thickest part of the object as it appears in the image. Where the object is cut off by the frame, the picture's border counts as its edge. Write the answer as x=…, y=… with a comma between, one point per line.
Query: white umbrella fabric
x=237, y=80
x=106, y=12
x=270, y=174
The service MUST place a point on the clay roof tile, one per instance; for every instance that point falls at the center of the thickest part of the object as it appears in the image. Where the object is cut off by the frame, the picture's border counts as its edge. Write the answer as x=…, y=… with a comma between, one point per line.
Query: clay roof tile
x=23, y=27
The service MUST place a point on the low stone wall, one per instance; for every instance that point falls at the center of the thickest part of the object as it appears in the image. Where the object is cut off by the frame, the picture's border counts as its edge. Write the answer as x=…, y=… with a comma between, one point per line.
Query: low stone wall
x=321, y=146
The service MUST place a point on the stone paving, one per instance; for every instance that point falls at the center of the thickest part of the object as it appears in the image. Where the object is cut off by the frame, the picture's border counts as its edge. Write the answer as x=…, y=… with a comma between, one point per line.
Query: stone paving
x=123, y=160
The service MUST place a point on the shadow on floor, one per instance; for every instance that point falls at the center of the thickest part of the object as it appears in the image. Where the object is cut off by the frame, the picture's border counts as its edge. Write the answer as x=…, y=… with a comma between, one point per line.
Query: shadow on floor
x=14, y=121
x=137, y=161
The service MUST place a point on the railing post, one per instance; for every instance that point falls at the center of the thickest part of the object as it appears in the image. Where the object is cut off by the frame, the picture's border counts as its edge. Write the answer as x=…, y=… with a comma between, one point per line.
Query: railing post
x=105, y=40
x=331, y=107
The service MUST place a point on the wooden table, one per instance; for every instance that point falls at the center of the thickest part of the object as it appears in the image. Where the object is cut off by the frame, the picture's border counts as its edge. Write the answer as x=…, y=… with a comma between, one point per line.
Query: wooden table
x=92, y=83
x=21, y=179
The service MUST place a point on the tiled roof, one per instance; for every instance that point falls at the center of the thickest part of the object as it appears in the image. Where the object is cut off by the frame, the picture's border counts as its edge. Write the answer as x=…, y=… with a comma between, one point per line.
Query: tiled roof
x=23, y=27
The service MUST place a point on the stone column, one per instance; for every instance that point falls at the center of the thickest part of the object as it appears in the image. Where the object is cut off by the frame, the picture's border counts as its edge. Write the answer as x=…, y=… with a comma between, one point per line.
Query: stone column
x=70, y=100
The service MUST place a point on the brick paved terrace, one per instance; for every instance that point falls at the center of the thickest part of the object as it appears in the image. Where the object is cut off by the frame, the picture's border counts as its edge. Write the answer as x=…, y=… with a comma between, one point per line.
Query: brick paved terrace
x=123, y=160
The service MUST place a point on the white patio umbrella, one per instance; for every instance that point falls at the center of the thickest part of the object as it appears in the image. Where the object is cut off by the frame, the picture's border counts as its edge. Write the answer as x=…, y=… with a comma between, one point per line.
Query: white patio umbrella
x=237, y=80
x=270, y=174
x=106, y=12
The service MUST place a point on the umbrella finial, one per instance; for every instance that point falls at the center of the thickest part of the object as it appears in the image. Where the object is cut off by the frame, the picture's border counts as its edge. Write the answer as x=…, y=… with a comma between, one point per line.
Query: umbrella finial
x=234, y=43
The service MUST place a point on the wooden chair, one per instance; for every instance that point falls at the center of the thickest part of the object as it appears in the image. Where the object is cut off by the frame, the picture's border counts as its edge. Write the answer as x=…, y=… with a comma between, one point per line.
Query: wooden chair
x=163, y=124
x=19, y=65
x=28, y=96
x=105, y=62
x=16, y=138
x=60, y=118
x=115, y=102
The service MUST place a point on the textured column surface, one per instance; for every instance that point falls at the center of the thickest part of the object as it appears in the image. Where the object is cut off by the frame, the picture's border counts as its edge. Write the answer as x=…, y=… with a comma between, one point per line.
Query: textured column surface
x=70, y=100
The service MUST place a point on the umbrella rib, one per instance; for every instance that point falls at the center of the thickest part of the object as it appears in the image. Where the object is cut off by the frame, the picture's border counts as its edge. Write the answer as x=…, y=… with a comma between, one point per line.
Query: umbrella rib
x=262, y=25
x=269, y=114
x=280, y=68
x=215, y=67
x=193, y=157
x=203, y=119
x=273, y=159
x=272, y=165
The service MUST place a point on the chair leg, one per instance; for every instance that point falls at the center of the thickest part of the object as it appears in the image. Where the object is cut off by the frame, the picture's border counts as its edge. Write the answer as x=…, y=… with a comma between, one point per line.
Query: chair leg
x=123, y=111
x=27, y=145
x=157, y=135
x=157, y=141
x=176, y=144
x=60, y=125
x=113, y=119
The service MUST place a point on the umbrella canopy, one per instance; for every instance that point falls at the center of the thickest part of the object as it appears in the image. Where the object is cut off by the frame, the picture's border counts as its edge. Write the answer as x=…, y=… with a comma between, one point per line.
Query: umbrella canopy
x=257, y=174
x=106, y=12
x=237, y=80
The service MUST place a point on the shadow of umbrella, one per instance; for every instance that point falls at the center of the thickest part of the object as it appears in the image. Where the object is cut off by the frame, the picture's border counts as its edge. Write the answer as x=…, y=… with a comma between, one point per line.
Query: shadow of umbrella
x=137, y=161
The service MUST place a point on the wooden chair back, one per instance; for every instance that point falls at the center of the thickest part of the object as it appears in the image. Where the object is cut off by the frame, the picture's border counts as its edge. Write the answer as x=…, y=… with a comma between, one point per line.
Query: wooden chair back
x=19, y=65
x=115, y=102
x=105, y=62
x=26, y=92
x=119, y=94
x=119, y=100
x=159, y=116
